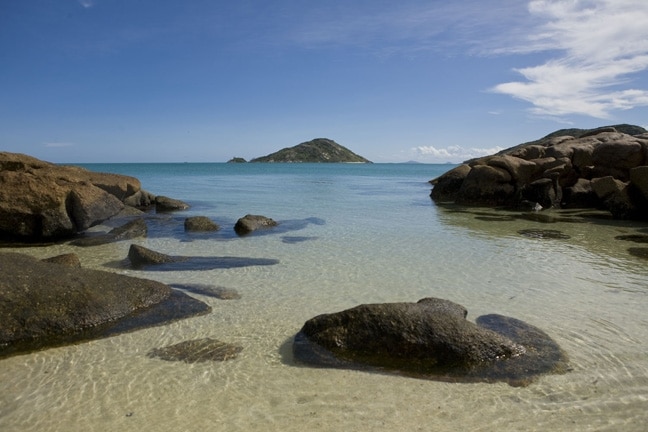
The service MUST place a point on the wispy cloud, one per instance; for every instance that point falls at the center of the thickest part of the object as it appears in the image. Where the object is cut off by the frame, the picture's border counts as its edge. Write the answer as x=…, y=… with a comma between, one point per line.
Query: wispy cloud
x=58, y=144
x=597, y=48
x=406, y=27
x=86, y=3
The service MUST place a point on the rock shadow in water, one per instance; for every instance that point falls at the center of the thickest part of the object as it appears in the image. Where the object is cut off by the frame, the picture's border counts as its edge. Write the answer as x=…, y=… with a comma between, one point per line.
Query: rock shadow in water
x=636, y=238
x=638, y=252
x=218, y=292
x=297, y=239
x=176, y=307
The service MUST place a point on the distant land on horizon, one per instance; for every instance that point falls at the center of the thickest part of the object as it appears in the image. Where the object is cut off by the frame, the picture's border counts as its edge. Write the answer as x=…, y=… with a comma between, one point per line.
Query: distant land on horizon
x=318, y=150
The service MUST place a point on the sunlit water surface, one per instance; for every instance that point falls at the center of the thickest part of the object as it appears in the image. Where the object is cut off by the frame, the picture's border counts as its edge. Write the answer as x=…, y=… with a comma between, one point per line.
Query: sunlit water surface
x=349, y=234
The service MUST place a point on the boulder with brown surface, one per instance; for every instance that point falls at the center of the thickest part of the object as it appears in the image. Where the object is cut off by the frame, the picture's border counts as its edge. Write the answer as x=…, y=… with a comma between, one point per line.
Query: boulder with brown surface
x=558, y=171
x=42, y=201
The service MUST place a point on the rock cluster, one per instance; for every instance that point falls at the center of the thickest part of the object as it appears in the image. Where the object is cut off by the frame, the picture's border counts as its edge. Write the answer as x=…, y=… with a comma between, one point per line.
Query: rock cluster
x=604, y=169
x=41, y=201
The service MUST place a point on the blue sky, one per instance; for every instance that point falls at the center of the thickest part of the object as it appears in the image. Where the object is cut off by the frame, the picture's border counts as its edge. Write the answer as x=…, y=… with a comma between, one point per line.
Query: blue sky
x=207, y=80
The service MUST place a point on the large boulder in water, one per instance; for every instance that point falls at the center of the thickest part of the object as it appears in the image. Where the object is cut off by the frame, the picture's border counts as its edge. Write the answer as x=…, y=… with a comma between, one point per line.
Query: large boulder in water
x=429, y=339
x=45, y=304
x=43, y=201
x=558, y=171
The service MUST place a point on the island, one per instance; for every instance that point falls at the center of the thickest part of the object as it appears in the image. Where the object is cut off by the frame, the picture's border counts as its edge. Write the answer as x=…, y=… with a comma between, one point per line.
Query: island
x=317, y=150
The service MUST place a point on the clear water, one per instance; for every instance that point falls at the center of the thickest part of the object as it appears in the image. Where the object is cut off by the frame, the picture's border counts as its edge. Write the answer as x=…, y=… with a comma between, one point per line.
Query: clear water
x=367, y=233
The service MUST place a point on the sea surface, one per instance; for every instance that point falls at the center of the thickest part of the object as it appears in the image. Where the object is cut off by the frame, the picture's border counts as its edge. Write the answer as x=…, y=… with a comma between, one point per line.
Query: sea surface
x=349, y=234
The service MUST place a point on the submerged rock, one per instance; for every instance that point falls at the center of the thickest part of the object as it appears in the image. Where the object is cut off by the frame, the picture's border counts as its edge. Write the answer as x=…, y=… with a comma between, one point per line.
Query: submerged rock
x=197, y=350
x=429, y=339
x=45, y=304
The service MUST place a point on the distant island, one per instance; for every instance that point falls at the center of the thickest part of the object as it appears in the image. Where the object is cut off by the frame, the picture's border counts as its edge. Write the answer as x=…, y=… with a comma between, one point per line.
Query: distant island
x=317, y=150
x=237, y=160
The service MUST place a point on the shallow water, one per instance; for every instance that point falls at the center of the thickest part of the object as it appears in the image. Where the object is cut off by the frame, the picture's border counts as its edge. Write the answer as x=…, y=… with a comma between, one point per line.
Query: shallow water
x=350, y=234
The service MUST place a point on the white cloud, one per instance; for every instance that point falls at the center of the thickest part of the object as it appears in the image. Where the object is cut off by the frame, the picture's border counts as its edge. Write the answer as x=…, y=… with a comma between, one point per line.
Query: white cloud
x=451, y=153
x=86, y=3
x=598, y=45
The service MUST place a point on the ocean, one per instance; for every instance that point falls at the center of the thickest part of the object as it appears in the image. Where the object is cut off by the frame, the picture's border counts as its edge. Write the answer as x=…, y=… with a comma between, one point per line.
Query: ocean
x=349, y=234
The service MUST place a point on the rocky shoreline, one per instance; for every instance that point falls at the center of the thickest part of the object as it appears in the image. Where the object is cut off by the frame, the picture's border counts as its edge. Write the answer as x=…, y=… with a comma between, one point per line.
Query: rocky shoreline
x=45, y=303
x=600, y=169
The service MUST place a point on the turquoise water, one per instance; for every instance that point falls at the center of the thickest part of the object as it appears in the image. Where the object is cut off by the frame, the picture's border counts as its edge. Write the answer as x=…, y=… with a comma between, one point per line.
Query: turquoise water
x=348, y=234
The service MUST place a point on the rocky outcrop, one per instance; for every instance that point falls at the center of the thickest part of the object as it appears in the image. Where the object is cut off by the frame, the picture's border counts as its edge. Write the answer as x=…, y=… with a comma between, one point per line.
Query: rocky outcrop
x=602, y=168
x=250, y=223
x=46, y=304
x=428, y=339
x=41, y=201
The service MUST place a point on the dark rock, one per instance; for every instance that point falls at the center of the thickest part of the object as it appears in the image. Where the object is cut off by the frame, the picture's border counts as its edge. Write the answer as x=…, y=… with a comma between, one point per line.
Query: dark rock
x=197, y=350
x=486, y=185
x=200, y=223
x=45, y=304
x=166, y=204
x=41, y=201
x=639, y=178
x=249, y=223
x=429, y=339
x=446, y=188
x=68, y=260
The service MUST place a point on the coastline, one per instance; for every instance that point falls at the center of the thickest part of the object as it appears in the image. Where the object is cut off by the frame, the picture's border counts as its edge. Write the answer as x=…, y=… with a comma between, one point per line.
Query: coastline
x=587, y=292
